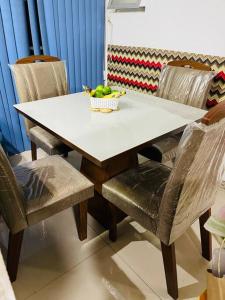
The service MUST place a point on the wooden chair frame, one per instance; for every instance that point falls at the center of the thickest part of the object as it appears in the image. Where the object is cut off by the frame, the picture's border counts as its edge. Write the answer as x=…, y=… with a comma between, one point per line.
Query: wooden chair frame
x=185, y=63
x=29, y=60
x=168, y=251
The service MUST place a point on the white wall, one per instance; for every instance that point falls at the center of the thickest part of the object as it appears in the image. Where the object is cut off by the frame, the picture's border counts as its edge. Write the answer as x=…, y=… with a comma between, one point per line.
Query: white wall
x=182, y=25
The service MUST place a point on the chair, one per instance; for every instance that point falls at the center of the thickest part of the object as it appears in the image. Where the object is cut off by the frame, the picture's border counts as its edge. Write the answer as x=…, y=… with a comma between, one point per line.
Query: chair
x=34, y=81
x=167, y=201
x=186, y=82
x=36, y=190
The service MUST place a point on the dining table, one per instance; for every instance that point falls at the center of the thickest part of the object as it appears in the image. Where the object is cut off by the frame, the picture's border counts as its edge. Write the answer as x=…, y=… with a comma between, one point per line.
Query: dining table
x=109, y=142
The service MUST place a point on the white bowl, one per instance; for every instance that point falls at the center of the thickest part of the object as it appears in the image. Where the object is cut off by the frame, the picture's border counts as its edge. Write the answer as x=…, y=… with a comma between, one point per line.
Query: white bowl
x=110, y=103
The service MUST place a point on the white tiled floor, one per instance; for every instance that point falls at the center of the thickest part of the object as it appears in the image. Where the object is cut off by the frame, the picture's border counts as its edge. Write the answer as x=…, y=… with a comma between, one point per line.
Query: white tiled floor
x=55, y=265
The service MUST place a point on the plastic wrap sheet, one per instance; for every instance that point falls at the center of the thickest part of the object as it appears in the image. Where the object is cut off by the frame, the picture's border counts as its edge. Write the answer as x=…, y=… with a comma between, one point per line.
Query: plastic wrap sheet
x=184, y=85
x=11, y=197
x=168, y=147
x=138, y=192
x=194, y=180
x=39, y=81
x=51, y=185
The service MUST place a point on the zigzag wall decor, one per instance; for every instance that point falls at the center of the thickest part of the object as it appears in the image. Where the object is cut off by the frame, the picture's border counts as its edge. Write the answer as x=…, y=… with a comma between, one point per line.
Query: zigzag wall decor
x=139, y=69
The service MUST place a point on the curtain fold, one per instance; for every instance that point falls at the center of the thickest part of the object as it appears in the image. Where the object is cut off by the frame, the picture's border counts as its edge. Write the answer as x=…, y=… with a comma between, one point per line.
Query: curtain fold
x=75, y=33
x=13, y=44
x=73, y=30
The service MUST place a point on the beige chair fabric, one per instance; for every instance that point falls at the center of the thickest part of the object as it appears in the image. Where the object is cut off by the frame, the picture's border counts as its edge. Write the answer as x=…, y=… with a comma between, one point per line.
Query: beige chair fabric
x=37, y=190
x=138, y=192
x=51, y=185
x=37, y=81
x=11, y=197
x=40, y=80
x=48, y=142
x=183, y=85
x=165, y=201
x=167, y=147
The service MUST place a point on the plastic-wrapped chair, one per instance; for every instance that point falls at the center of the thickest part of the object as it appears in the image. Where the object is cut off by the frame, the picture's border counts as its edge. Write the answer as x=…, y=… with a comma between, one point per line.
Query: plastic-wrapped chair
x=34, y=191
x=186, y=82
x=167, y=201
x=40, y=77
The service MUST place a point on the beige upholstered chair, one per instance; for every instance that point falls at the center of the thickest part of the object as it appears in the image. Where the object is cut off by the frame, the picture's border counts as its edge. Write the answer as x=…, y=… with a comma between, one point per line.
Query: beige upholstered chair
x=167, y=201
x=186, y=82
x=37, y=80
x=36, y=190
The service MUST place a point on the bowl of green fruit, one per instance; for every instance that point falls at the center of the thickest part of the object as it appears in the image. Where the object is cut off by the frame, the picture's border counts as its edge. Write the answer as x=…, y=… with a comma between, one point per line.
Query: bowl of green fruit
x=104, y=98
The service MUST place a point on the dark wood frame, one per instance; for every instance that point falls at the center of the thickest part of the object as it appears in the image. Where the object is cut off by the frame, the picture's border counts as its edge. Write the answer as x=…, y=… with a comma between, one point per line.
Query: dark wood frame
x=16, y=239
x=29, y=60
x=185, y=63
x=152, y=152
x=168, y=251
x=37, y=58
x=100, y=172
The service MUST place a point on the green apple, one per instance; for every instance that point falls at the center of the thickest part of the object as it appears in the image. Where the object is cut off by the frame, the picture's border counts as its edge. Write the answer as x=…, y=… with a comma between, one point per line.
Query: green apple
x=107, y=90
x=99, y=88
x=99, y=94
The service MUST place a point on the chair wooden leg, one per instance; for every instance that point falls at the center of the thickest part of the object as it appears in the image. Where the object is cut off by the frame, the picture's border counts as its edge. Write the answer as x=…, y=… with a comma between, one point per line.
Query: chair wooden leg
x=169, y=260
x=112, y=222
x=80, y=213
x=206, y=238
x=65, y=155
x=14, y=247
x=33, y=151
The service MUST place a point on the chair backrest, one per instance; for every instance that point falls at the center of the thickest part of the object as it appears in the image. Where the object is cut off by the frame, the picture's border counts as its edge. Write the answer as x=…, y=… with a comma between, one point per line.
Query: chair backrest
x=11, y=197
x=196, y=175
x=191, y=64
x=39, y=77
x=37, y=58
x=185, y=81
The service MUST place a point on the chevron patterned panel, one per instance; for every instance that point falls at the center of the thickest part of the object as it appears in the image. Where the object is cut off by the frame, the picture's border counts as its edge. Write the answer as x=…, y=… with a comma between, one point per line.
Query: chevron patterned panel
x=139, y=69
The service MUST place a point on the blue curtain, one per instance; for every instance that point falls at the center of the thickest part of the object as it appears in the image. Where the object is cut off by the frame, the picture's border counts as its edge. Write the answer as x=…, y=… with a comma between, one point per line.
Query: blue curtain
x=74, y=31
x=13, y=44
x=70, y=29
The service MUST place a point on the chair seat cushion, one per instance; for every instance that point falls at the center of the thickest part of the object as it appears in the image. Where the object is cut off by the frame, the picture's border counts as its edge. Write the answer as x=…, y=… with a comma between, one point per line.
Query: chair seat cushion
x=47, y=141
x=51, y=185
x=138, y=192
x=163, y=150
x=168, y=147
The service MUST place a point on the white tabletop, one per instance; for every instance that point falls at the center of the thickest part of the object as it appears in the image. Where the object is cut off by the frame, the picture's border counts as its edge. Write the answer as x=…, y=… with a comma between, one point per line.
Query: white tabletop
x=141, y=118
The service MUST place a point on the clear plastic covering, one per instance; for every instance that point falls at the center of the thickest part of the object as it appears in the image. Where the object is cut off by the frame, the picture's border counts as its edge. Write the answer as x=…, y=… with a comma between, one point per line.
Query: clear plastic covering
x=185, y=85
x=34, y=191
x=11, y=197
x=39, y=80
x=194, y=180
x=167, y=201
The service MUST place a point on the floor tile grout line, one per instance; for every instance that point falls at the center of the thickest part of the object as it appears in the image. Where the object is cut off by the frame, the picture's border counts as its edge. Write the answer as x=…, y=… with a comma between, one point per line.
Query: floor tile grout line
x=140, y=277
x=67, y=271
x=137, y=274
x=109, y=245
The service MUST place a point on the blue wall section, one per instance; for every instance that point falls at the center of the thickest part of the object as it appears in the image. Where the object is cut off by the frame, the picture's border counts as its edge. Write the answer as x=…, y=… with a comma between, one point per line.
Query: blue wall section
x=70, y=29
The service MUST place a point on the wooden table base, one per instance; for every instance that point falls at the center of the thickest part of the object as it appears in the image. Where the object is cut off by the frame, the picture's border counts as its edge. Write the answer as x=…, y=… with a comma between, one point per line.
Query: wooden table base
x=98, y=207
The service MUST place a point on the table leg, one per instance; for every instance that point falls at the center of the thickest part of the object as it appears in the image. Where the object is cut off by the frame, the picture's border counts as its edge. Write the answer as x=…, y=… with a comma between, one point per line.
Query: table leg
x=98, y=207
